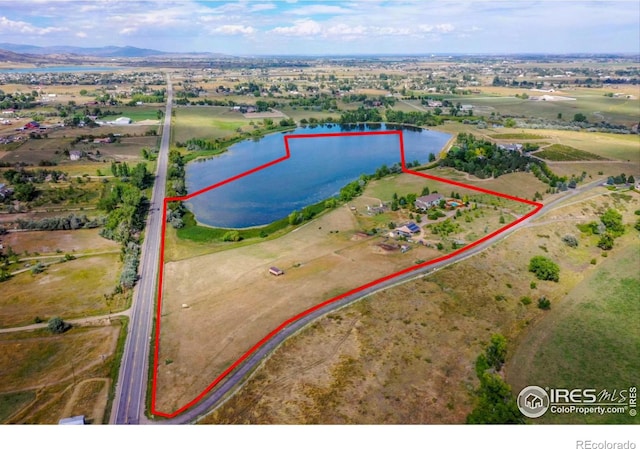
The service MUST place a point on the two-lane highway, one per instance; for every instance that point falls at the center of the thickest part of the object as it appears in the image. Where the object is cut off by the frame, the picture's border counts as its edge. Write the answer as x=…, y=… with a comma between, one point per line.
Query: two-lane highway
x=129, y=403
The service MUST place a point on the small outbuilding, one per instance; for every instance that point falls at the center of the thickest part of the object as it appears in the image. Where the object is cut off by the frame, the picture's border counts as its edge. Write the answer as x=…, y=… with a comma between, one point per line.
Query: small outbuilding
x=276, y=271
x=73, y=421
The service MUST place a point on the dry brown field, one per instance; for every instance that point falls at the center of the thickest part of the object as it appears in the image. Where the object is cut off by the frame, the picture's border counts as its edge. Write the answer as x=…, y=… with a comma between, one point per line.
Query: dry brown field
x=407, y=354
x=221, y=304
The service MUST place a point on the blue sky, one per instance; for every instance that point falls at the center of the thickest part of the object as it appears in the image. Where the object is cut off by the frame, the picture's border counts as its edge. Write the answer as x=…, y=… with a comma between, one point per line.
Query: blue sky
x=328, y=27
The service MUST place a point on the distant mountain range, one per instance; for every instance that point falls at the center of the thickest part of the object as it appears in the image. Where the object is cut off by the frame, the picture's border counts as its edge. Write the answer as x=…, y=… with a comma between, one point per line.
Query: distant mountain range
x=101, y=52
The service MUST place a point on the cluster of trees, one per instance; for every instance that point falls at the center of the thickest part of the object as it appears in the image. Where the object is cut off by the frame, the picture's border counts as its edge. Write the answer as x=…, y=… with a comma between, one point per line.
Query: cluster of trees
x=385, y=170
x=126, y=207
x=17, y=176
x=353, y=189
x=323, y=102
x=139, y=176
x=131, y=259
x=608, y=228
x=313, y=122
x=366, y=100
x=70, y=222
x=542, y=171
x=413, y=118
x=612, y=221
x=176, y=187
x=621, y=179
x=90, y=137
x=483, y=159
x=545, y=269
x=445, y=228
x=360, y=115
x=22, y=181
x=495, y=403
x=18, y=100
x=155, y=96
x=195, y=144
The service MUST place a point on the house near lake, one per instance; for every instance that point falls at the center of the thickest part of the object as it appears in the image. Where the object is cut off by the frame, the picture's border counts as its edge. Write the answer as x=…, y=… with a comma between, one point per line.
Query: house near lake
x=428, y=201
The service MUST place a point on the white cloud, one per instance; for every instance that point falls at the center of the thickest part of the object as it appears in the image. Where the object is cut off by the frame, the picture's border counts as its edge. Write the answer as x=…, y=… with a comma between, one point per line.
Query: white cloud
x=234, y=30
x=313, y=10
x=262, y=7
x=20, y=27
x=128, y=31
x=81, y=34
x=439, y=28
x=303, y=27
x=445, y=28
x=342, y=29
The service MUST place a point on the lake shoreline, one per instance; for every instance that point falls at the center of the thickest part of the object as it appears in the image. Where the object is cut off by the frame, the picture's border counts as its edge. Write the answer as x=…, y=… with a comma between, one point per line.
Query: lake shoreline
x=289, y=185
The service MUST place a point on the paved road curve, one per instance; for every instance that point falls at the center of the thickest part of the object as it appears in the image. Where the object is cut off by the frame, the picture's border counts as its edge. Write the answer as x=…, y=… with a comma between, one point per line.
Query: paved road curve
x=131, y=390
x=235, y=379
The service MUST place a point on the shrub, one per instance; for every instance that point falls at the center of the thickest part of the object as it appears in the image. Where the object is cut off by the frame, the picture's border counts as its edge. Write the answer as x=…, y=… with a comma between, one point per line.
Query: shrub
x=57, y=326
x=593, y=261
x=605, y=242
x=497, y=351
x=231, y=236
x=526, y=300
x=544, y=269
x=612, y=219
x=570, y=240
x=544, y=303
x=38, y=268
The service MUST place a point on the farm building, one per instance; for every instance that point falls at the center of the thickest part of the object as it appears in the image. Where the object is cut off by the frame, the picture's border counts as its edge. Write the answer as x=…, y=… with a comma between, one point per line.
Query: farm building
x=428, y=201
x=75, y=155
x=276, y=271
x=121, y=121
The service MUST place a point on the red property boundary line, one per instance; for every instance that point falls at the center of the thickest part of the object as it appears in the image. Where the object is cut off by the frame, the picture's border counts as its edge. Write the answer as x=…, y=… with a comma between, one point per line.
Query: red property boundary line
x=225, y=373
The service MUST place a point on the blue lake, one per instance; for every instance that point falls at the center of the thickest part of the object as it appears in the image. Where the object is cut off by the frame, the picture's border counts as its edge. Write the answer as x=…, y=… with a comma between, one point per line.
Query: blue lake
x=65, y=69
x=317, y=169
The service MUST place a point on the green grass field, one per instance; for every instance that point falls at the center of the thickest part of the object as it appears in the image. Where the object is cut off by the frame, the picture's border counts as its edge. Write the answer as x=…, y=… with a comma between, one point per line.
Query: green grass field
x=10, y=402
x=593, y=104
x=559, y=152
x=208, y=123
x=135, y=113
x=592, y=341
x=623, y=147
x=46, y=295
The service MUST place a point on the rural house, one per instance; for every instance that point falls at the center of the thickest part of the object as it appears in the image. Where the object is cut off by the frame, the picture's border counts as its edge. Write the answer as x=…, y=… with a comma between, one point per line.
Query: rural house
x=5, y=191
x=408, y=230
x=276, y=271
x=428, y=201
x=75, y=155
